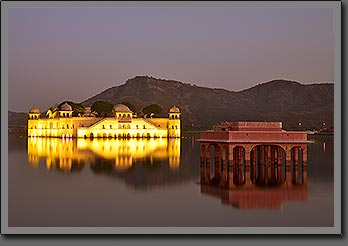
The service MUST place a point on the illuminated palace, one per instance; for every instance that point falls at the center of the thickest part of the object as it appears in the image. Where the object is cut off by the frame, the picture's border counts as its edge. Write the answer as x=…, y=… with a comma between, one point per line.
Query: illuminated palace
x=124, y=124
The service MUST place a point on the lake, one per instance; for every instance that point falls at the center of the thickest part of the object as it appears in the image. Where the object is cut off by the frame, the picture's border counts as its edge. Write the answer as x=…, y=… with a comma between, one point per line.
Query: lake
x=151, y=183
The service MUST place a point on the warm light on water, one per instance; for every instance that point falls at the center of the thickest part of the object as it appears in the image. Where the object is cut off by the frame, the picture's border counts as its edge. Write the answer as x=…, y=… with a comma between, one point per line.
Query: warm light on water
x=152, y=182
x=62, y=153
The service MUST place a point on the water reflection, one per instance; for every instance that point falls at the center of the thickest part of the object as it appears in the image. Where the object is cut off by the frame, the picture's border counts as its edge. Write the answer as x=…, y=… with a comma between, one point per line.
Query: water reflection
x=253, y=197
x=73, y=154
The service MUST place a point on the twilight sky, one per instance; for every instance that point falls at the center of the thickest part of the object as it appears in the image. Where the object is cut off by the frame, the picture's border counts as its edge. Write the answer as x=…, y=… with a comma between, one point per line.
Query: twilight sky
x=58, y=54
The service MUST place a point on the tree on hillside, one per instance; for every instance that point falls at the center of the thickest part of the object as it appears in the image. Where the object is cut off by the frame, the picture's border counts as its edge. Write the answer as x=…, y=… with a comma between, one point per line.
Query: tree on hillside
x=78, y=108
x=130, y=106
x=103, y=108
x=152, y=109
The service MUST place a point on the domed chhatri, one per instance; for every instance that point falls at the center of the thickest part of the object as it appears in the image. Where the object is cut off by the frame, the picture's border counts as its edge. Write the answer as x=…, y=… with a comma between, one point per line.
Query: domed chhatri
x=174, y=109
x=121, y=108
x=123, y=123
x=34, y=110
x=66, y=107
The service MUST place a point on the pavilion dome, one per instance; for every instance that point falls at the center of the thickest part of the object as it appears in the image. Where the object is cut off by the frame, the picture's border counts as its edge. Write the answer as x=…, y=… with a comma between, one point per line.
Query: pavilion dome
x=34, y=110
x=121, y=108
x=66, y=107
x=174, y=109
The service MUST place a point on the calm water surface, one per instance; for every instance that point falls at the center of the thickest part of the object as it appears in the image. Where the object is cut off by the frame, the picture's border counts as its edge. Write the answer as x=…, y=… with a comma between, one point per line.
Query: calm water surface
x=121, y=183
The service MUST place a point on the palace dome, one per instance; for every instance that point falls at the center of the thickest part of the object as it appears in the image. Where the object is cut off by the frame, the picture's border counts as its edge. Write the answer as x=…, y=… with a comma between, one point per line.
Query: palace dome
x=66, y=107
x=34, y=110
x=174, y=109
x=121, y=108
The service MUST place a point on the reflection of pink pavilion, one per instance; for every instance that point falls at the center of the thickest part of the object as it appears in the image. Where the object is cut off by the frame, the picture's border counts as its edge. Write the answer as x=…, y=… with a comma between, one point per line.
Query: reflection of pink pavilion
x=257, y=198
x=249, y=153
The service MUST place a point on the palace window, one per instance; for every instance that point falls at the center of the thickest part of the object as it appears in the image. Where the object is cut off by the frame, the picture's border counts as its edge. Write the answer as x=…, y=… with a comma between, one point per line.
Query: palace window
x=176, y=127
x=172, y=127
x=103, y=127
x=67, y=126
x=137, y=127
x=144, y=127
x=110, y=126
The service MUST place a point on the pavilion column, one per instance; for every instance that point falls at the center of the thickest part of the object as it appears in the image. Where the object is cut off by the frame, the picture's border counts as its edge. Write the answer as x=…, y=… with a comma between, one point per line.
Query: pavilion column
x=247, y=180
x=247, y=156
x=267, y=163
x=217, y=163
x=279, y=165
x=295, y=164
x=230, y=163
x=288, y=159
x=202, y=159
x=296, y=156
x=242, y=165
x=207, y=163
x=223, y=166
x=230, y=155
x=273, y=163
x=260, y=164
x=304, y=156
x=253, y=165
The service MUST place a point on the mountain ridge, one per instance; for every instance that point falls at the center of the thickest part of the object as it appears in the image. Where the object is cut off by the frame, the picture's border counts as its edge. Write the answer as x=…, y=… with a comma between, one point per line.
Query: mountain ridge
x=202, y=107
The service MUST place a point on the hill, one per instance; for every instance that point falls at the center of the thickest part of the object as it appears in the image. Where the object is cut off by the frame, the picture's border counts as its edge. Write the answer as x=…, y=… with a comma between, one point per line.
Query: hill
x=201, y=107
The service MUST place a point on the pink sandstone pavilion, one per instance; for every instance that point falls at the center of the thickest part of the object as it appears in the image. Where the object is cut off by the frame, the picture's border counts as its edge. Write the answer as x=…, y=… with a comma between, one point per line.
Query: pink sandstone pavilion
x=253, y=153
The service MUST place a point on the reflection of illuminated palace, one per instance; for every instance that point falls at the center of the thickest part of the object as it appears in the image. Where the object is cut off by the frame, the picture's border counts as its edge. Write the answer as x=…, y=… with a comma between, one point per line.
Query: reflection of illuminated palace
x=124, y=124
x=66, y=154
x=244, y=157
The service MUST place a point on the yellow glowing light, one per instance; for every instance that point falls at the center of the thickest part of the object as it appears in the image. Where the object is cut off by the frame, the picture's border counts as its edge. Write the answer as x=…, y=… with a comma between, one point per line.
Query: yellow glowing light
x=61, y=152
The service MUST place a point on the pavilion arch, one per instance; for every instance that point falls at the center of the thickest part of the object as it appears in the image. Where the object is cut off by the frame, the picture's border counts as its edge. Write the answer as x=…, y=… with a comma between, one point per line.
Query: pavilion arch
x=267, y=165
x=238, y=165
x=213, y=163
